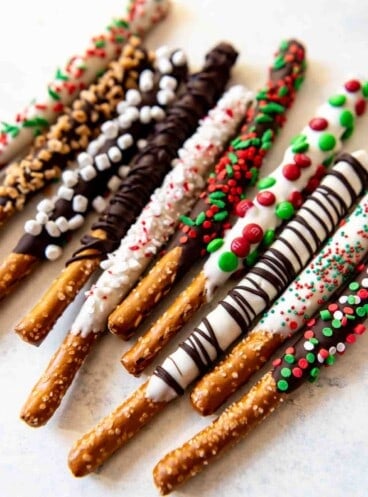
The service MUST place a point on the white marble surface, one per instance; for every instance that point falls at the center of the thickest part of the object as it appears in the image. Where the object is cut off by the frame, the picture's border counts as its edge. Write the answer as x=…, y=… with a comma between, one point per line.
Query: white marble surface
x=317, y=444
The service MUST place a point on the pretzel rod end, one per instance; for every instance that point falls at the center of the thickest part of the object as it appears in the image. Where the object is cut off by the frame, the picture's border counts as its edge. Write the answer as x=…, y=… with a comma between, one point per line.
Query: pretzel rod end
x=13, y=269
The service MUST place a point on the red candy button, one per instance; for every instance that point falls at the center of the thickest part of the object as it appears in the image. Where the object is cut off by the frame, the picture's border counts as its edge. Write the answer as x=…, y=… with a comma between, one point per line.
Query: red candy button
x=302, y=160
x=352, y=85
x=253, y=233
x=240, y=247
x=296, y=198
x=318, y=123
x=291, y=172
x=242, y=207
x=360, y=107
x=266, y=198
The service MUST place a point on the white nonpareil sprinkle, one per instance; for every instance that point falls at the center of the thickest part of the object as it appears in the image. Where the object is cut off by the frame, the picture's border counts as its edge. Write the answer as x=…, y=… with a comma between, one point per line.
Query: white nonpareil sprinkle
x=114, y=183
x=179, y=58
x=168, y=83
x=42, y=217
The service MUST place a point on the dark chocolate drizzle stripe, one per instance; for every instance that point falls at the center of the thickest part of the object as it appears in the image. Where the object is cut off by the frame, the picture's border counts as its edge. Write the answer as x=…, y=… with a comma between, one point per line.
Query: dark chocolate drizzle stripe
x=35, y=245
x=338, y=323
x=72, y=131
x=151, y=165
x=247, y=300
x=239, y=166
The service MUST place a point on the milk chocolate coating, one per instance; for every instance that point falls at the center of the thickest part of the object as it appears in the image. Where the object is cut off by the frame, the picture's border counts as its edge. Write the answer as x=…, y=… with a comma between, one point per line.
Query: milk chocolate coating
x=150, y=166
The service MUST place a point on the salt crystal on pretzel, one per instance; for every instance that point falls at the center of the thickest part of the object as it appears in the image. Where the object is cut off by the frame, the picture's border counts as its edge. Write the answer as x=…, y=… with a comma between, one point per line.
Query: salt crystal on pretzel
x=237, y=168
x=99, y=166
x=180, y=368
x=79, y=72
x=278, y=196
x=337, y=325
x=203, y=90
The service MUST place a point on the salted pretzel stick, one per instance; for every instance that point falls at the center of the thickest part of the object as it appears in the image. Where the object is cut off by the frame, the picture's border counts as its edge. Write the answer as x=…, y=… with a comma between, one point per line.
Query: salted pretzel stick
x=326, y=272
x=101, y=168
x=278, y=196
x=326, y=336
x=203, y=90
x=133, y=193
x=180, y=368
x=79, y=72
x=72, y=132
x=237, y=168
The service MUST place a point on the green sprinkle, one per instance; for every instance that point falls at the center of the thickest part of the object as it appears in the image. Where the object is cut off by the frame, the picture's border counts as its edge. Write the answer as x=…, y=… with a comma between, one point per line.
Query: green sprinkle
x=310, y=357
x=279, y=63
x=327, y=332
x=347, y=133
x=314, y=340
x=217, y=194
x=361, y=311
x=325, y=315
x=220, y=203
x=265, y=183
x=284, y=45
x=282, y=385
x=347, y=119
x=266, y=145
x=299, y=144
x=328, y=161
x=261, y=95
x=200, y=218
x=315, y=372
x=120, y=39
x=53, y=94
x=263, y=118
x=268, y=237
x=221, y=216
x=120, y=23
x=229, y=171
x=251, y=258
x=354, y=286
x=365, y=89
x=100, y=43
x=10, y=129
x=215, y=244
x=298, y=82
x=326, y=142
x=283, y=91
x=272, y=108
x=60, y=75
x=289, y=358
x=241, y=144
x=336, y=323
x=254, y=175
x=351, y=300
x=284, y=210
x=187, y=220
x=100, y=73
x=228, y=262
x=233, y=157
x=337, y=100
x=331, y=359
x=285, y=372
x=267, y=136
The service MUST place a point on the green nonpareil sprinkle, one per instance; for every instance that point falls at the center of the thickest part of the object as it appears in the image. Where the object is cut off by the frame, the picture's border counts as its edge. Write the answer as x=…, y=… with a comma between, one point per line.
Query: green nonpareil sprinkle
x=217, y=194
x=263, y=118
x=298, y=82
x=60, y=75
x=272, y=108
x=267, y=136
x=215, y=244
x=200, y=218
x=229, y=171
x=261, y=95
x=279, y=62
x=221, y=216
x=284, y=45
x=10, y=129
x=187, y=220
x=37, y=121
x=283, y=91
x=233, y=157
x=325, y=315
x=220, y=203
x=266, y=145
x=53, y=94
x=100, y=43
x=120, y=23
x=254, y=178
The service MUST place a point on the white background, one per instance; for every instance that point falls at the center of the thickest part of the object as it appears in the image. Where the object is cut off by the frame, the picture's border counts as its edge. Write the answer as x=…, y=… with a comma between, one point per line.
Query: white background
x=317, y=444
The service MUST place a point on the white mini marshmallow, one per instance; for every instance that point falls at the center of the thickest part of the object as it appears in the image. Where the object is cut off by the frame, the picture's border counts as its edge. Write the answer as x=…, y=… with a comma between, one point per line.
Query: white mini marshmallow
x=120, y=108
x=114, y=183
x=125, y=141
x=70, y=178
x=62, y=223
x=164, y=97
x=46, y=205
x=110, y=129
x=123, y=171
x=93, y=148
x=168, y=83
x=141, y=143
x=146, y=80
x=157, y=113
x=32, y=227
x=124, y=122
x=84, y=159
x=53, y=252
x=133, y=97
x=132, y=113
x=76, y=222
x=114, y=154
x=88, y=173
x=42, y=217
x=163, y=51
x=52, y=229
x=80, y=203
x=99, y=204
x=145, y=114
x=102, y=162
x=65, y=193
x=179, y=58
x=164, y=65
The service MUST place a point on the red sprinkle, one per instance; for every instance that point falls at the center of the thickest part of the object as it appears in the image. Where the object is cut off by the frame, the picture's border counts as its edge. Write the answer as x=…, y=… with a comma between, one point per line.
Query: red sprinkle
x=242, y=207
x=266, y=198
x=303, y=363
x=348, y=310
x=253, y=233
x=308, y=334
x=318, y=123
x=297, y=372
x=324, y=353
x=352, y=86
x=293, y=325
x=302, y=160
x=296, y=198
x=276, y=362
x=359, y=329
x=351, y=338
x=333, y=307
x=291, y=172
x=290, y=350
x=240, y=247
x=360, y=107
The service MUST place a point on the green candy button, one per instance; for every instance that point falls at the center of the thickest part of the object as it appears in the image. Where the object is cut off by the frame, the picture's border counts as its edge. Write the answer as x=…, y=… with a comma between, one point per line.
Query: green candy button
x=310, y=357
x=215, y=244
x=326, y=142
x=337, y=100
x=347, y=119
x=289, y=358
x=284, y=210
x=285, y=372
x=228, y=262
x=327, y=332
x=282, y=385
x=251, y=259
x=269, y=237
x=365, y=89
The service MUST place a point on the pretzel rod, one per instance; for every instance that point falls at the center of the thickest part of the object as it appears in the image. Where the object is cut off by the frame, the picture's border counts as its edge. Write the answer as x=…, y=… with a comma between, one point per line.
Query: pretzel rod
x=72, y=132
x=275, y=203
x=79, y=72
x=203, y=90
x=338, y=324
x=322, y=276
x=237, y=168
x=101, y=168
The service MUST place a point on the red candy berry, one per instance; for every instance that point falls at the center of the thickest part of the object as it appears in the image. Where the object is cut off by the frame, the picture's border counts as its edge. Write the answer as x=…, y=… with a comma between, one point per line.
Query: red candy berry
x=296, y=198
x=253, y=233
x=360, y=107
x=352, y=86
x=318, y=123
x=240, y=247
x=242, y=207
x=266, y=198
x=291, y=172
x=302, y=160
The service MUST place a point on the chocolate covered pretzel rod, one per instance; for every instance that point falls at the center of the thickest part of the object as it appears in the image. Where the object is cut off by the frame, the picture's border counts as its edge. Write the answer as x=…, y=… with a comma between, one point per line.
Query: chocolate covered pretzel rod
x=203, y=90
x=278, y=196
x=72, y=131
x=192, y=357
x=338, y=324
x=237, y=168
x=79, y=72
x=101, y=167
x=314, y=285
